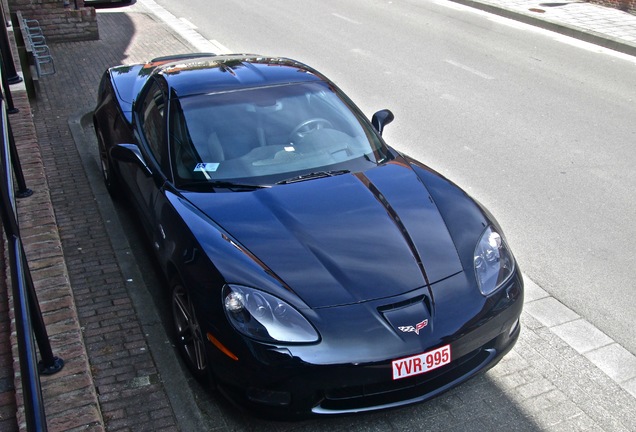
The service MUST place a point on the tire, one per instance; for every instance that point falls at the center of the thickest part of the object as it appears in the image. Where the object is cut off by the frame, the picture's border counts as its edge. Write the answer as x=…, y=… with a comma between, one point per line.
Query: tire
x=187, y=333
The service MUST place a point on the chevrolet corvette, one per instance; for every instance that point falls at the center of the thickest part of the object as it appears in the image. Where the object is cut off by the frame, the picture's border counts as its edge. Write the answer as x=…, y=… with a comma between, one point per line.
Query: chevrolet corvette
x=313, y=269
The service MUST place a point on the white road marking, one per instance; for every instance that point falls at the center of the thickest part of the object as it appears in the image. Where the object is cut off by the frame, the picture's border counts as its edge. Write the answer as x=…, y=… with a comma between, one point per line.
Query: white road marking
x=361, y=52
x=469, y=69
x=349, y=20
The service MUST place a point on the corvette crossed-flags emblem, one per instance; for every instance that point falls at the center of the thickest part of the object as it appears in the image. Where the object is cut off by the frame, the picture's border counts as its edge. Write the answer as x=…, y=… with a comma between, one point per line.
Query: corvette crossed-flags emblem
x=416, y=329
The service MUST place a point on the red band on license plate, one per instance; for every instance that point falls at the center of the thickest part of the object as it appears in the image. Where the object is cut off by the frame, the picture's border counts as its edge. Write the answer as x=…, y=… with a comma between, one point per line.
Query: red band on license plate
x=421, y=363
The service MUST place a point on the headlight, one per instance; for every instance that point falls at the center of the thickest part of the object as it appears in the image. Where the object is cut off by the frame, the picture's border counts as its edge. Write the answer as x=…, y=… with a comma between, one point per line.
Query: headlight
x=493, y=261
x=264, y=317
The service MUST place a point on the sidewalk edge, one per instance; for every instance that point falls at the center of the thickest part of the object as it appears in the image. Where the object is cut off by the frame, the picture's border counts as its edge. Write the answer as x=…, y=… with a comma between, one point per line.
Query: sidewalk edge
x=557, y=27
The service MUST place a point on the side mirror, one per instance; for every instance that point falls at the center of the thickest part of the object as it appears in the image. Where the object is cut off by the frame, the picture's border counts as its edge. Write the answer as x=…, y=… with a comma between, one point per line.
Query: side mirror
x=130, y=153
x=381, y=119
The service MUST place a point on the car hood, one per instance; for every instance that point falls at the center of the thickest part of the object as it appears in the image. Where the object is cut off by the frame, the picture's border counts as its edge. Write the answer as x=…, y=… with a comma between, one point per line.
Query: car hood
x=344, y=239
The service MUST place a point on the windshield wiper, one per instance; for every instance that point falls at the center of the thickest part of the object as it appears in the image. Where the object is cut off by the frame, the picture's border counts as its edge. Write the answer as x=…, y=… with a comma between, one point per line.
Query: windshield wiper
x=313, y=175
x=223, y=184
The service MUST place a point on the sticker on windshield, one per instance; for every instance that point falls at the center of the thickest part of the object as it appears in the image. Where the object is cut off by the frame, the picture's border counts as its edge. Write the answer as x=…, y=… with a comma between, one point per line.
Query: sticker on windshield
x=206, y=167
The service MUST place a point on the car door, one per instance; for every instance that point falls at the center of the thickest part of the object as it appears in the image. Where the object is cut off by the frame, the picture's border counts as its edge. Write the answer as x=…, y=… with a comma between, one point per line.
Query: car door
x=150, y=129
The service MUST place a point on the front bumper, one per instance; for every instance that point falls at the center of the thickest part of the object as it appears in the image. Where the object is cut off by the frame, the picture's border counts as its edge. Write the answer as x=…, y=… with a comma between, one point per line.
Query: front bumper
x=301, y=381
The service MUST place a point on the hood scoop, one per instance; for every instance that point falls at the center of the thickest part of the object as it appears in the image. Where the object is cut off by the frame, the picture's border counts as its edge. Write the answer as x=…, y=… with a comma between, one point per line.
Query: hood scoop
x=410, y=319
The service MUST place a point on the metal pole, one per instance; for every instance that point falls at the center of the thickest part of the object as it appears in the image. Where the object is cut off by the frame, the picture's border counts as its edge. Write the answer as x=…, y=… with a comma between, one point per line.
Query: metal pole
x=7, y=56
x=49, y=363
x=34, y=408
x=6, y=88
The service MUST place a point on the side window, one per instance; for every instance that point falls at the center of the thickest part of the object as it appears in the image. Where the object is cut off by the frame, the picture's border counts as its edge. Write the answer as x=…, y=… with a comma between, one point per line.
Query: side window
x=152, y=118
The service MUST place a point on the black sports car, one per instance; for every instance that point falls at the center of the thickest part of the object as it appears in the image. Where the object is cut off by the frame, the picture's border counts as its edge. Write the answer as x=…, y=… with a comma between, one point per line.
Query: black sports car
x=313, y=268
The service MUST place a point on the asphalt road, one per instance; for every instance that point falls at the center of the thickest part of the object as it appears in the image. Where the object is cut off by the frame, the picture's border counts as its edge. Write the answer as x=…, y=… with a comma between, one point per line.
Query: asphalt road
x=538, y=127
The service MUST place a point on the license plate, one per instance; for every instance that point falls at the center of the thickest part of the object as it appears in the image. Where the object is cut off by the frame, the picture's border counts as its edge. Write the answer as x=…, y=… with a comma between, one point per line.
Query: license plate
x=421, y=363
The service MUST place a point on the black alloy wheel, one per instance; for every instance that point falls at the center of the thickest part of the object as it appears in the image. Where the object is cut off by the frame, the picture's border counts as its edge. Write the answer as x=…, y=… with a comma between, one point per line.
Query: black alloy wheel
x=188, y=335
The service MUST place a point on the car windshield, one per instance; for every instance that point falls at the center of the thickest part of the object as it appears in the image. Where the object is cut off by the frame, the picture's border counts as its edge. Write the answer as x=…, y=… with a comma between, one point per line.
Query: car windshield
x=266, y=135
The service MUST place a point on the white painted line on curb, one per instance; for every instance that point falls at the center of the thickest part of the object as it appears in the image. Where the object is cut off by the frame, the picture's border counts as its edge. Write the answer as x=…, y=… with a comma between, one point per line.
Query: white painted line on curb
x=550, y=312
x=188, y=23
x=582, y=336
x=198, y=42
x=630, y=386
x=220, y=48
x=615, y=361
x=532, y=291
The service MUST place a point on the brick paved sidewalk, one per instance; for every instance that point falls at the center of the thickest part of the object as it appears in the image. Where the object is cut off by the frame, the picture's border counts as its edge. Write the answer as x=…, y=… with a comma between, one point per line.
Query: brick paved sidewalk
x=112, y=393
x=72, y=389
x=121, y=363
x=543, y=384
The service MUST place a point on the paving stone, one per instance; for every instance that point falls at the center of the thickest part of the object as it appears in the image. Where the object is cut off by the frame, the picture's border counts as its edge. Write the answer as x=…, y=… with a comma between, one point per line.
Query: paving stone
x=581, y=335
x=615, y=361
x=630, y=386
x=550, y=312
x=532, y=291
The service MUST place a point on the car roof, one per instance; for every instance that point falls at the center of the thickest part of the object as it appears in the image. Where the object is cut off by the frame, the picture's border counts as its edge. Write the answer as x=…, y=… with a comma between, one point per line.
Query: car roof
x=211, y=73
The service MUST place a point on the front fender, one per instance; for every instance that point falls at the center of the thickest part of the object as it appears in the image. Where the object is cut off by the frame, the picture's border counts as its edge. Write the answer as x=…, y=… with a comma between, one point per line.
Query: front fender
x=465, y=218
x=235, y=263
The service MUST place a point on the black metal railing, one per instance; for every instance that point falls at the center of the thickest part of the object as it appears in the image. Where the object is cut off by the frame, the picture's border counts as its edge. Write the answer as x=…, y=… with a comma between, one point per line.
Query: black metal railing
x=29, y=323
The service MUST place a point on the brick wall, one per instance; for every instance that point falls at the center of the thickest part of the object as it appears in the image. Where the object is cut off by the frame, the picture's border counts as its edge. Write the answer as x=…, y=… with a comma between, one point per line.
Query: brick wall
x=59, y=19
x=625, y=5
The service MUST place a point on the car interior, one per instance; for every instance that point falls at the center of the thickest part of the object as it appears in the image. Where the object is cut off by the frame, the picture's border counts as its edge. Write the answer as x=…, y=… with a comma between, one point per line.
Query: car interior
x=263, y=132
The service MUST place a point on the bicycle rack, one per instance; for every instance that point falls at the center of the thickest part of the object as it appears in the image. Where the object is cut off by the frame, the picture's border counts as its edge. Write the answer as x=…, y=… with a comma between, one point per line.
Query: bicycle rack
x=44, y=64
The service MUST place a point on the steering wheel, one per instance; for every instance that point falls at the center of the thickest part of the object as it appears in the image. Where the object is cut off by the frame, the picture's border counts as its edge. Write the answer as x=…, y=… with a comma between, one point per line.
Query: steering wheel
x=308, y=126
